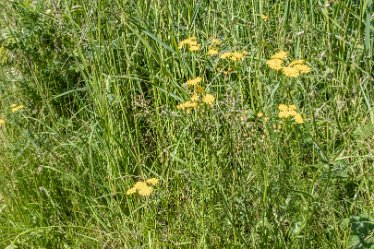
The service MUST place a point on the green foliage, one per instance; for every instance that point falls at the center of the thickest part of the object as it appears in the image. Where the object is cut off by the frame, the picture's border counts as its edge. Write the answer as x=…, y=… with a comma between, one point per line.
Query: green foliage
x=101, y=82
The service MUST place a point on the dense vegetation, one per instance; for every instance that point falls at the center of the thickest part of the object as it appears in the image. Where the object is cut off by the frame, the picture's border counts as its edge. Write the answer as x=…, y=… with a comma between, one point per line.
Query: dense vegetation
x=240, y=149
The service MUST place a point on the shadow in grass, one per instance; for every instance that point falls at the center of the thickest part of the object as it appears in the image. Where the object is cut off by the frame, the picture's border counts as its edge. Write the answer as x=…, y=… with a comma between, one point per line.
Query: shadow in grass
x=361, y=232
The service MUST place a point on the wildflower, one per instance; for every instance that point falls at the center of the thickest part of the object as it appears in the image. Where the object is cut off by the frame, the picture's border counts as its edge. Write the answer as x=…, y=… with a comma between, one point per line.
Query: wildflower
x=194, y=48
x=16, y=108
x=194, y=82
x=131, y=191
x=235, y=56
x=298, y=118
x=199, y=89
x=209, y=99
x=215, y=42
x=283, y=108
x=2, y=122
x=292, y=107
x=152, y=181
x=191, y=41
x=264, y=18
x=212, y=51
x=296, y=62
x=145, y=190
x=260, y=114
x=187, y=105
x=275, y=64
x=225, y=55
x=291, y=72
x=195, y=98
x=283, y=114
x=280, y=55
x=302, y=68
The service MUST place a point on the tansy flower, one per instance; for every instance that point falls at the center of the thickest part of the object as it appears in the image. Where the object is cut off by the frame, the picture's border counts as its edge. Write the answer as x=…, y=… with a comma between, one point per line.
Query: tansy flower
x=275, y=64
x=194, y=82
x=298, y=118
x=280, y=55
x=215, y=42
x=225, y=55
x=235, y=56
x=2, y=122
x=264, y=18
x=292, y=72
x=16, y=108
x=296, y=62
x=187, y=105
x=194, y=48
x=191, y=41
x=209, y=99
x=152, y=181
x=282, y=108
x=302, y=68
x=199, y=90
x=145, y=190
x=212, y=51
x=195, y=98
x=260, y=114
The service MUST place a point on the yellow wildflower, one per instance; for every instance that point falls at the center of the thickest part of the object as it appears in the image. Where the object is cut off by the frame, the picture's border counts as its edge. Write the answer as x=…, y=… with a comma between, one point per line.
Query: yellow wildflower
x=16, y=108
x=131, y=191
x=283, y=114
x=2, y=122
x=225, y=55
x=280, y=55
x=296, y=62
x=292, y=72
x=209, y=99
x=152, y=181
x=187, y=105
x=283, y=108
x=275, y=64
x=298, y=119
x=194, y=48
x=145, y=190
x=191, y=41
x=260, y=114
x=215, y=42
x=302, y=68
x=199, y=89
x=264, y=18
x=292, y=107
x=212, y=51
x=235, y=56
x=195, y=98
x=194, y=82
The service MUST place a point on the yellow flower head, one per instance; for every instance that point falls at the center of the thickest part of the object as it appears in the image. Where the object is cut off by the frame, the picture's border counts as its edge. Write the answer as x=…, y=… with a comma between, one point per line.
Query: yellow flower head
x=142, y=188
x=145, y=190
x=199, y=89
x=280, y=55
x=194, y=82
x=215, y=42
x=283, y=108
x=195, y=98
x=152, y=181
x=302, y=68
x=16, y=108
x=191, y=41
x=225, y=55
x=194, y=48
x=2, y=122
x=264, y=18
x=275, y=64
x=187, y=105
x=235, y=56
x=298, y=119
x=260, y=114
x=296, y=62
x=131, y=191
x=212, y=51
x=209, y=99
x=291, y=72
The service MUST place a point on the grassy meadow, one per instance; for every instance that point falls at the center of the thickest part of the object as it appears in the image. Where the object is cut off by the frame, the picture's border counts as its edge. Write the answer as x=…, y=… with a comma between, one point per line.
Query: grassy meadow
x=186, y=124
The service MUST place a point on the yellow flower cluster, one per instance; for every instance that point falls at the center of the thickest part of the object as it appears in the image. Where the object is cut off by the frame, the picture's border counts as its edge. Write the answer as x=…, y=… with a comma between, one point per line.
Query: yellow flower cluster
x=264, y=18
x=290, y=111
x=16, y=108
x=195, y=98
x=293, y=70
x=2, y=122
x=143, y=188
x=234, y=55
x=213, y=48
x=191, y=43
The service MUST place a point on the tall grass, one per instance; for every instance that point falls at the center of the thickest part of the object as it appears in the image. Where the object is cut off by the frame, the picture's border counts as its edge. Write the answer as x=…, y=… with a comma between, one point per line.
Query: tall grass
x=101, y=81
